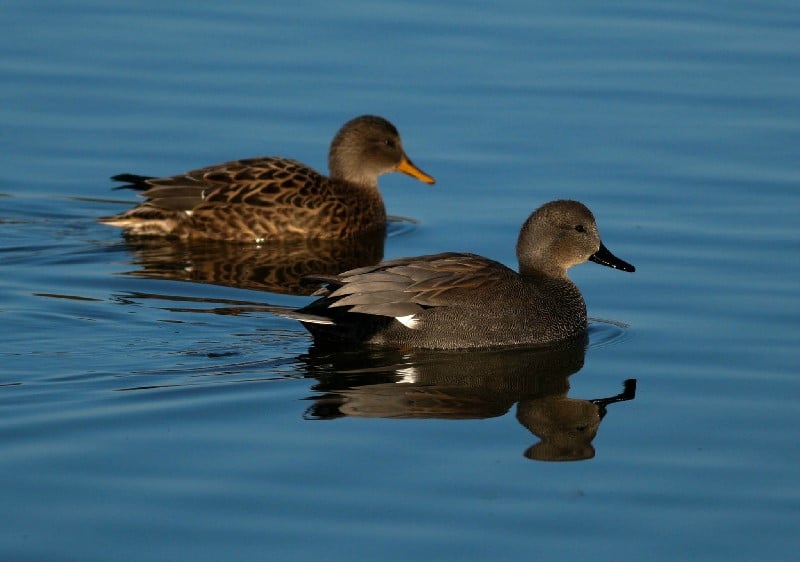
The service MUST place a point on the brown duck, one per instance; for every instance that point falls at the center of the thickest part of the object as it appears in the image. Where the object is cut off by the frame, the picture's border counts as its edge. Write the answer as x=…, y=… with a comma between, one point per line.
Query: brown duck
x=271, y=198
x=457, y=301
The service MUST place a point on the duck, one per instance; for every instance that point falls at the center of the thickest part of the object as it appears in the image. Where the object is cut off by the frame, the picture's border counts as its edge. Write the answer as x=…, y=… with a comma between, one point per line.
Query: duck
x=465, y=301
x=274, y=198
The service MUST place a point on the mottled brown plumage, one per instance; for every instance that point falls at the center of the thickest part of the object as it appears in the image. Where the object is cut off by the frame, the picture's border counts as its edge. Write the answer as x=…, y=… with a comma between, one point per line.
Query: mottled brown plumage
x=271, y=198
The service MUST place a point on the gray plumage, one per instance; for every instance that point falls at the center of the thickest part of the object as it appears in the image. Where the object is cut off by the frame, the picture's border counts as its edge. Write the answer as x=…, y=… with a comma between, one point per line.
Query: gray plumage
x=459, y=300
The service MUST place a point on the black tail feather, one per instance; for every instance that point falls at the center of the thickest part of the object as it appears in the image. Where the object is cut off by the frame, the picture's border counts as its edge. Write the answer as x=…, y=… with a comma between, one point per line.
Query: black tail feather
x=132, y=181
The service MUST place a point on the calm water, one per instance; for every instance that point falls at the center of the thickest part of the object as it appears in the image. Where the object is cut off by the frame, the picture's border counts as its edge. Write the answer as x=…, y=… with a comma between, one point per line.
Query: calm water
x=152, y=408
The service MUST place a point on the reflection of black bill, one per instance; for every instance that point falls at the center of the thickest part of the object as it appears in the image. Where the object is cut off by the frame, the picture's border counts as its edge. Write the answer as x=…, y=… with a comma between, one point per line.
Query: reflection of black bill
x=628, y=393
x=604, y=257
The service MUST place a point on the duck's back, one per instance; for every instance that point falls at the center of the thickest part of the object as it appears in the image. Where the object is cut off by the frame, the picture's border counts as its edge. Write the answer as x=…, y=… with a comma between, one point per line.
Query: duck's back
x=446, y=301
x=253, y=200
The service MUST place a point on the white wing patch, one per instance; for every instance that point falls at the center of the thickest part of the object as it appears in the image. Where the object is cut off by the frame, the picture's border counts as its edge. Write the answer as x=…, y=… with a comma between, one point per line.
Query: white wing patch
x=315, y=320
x=407, y=321
x=408, y=375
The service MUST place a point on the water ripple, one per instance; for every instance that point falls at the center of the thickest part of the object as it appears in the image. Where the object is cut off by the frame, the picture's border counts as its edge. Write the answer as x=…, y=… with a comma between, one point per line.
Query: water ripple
x=603, y=333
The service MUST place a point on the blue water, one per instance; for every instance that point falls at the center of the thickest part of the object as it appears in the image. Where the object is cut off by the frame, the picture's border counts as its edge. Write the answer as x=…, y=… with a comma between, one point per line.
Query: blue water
x=152, y=408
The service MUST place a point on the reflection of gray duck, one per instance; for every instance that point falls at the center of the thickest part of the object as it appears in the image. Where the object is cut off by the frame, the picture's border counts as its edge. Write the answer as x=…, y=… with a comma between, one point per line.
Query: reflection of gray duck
x=441, y=384
x=566, y=426
x=454, y=301
x=391, y=384
x=277, y=267
x=271, y=198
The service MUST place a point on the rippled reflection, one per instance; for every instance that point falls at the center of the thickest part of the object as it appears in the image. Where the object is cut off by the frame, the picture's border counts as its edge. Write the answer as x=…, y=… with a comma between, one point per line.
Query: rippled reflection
x=394, y=384
x=277, y=267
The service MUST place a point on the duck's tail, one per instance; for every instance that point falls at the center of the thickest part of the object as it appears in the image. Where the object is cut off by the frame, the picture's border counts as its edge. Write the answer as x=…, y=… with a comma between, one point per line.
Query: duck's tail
x=132, y=181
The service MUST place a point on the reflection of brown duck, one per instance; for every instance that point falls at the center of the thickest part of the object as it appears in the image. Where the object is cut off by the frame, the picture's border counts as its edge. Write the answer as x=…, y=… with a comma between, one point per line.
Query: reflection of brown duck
x=442, y=385
x=277, y=267
x=272, y=198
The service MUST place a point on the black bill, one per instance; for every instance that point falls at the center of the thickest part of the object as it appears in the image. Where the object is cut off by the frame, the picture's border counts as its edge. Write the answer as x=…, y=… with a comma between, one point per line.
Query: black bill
x=604, y=257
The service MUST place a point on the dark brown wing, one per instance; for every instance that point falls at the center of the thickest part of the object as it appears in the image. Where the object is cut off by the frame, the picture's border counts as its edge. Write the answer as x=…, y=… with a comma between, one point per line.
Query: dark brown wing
x=253, y=181
x=253, y=199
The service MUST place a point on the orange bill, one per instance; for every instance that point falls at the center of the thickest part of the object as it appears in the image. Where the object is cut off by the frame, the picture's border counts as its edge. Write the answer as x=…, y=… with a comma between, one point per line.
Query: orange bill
x=407, y=167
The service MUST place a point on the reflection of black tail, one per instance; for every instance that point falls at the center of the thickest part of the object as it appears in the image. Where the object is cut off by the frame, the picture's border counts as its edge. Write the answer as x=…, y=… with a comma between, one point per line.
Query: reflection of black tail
x=132, y=181
x=628, y=393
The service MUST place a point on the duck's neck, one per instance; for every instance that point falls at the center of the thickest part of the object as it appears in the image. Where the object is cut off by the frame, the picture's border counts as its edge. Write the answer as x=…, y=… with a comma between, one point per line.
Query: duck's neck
x=557, y=298
x=369, y=184
x=362, y=181
x=543, y=270
x=363, y=201
x=554, y=283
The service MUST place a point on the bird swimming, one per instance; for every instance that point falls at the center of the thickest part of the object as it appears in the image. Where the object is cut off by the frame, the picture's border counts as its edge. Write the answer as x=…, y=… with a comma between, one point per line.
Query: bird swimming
x=461, y=300
x=274, y=198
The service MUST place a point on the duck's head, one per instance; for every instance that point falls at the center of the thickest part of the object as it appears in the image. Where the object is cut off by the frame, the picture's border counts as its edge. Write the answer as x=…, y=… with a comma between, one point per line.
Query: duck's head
x=366, y=147
x=559, y=235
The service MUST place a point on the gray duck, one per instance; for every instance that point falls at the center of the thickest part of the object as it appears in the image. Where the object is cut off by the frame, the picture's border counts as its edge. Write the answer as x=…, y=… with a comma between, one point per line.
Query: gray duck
x=460, y=300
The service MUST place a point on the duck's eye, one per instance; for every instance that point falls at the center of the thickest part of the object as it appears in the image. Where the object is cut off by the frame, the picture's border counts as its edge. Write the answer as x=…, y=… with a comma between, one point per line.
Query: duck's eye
x=579, y=228
x=389, y=143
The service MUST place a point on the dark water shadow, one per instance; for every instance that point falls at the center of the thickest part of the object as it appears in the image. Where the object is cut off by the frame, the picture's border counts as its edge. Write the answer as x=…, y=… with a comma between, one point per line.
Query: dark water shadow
x=373, y=383
x=277, y=267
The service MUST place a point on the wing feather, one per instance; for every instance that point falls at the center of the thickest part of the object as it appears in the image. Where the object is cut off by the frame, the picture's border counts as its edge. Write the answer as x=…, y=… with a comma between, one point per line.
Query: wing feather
x=406, y=286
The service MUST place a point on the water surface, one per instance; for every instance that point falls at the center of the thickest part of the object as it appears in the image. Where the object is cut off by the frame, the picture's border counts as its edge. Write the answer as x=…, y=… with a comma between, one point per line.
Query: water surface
x=151, y=407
